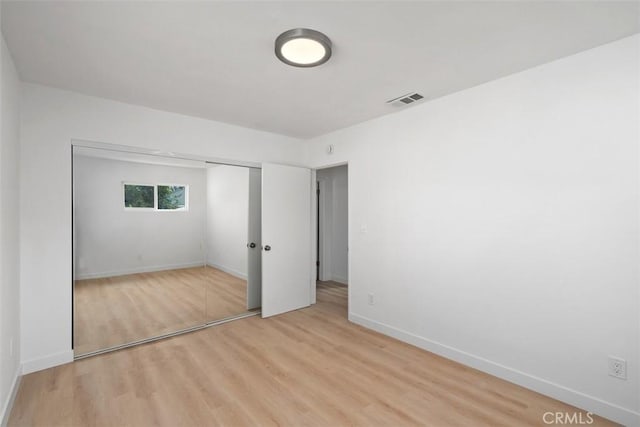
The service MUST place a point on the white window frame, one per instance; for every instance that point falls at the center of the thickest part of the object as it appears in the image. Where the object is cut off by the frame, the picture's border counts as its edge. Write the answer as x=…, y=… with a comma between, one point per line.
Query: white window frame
x=155, y=197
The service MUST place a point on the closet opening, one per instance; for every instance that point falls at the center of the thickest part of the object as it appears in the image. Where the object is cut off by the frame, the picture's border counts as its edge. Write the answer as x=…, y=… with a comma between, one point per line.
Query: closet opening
x=161, y=246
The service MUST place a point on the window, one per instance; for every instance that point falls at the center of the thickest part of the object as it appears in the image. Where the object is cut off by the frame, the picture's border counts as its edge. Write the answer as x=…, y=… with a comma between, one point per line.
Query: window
x=138, y=196
x=171, y=197
x=156, y=197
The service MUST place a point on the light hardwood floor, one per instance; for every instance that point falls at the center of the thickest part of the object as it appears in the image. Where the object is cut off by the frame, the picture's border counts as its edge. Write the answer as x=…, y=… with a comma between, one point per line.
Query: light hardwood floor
x=118, y=310
x=308, y=367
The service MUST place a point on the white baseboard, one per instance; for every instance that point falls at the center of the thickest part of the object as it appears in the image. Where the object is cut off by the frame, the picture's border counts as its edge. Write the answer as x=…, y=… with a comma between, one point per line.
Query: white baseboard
x=8, y=403
x=564, y=394
x=46, y=362
x=342, y=280
x=231, y=271
x=147, y=269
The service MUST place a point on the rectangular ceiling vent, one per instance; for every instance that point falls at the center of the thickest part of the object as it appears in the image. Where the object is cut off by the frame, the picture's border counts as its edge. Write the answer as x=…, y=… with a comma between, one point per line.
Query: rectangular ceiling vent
x=407, y=99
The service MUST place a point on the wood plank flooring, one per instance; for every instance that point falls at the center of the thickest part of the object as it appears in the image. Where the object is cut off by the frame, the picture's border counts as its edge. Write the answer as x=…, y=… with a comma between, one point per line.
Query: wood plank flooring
x=310, y=367
x=117, y=310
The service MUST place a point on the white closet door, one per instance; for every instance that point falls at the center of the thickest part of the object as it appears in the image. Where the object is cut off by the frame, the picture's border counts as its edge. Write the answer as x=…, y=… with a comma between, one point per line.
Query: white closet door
x=286, y=238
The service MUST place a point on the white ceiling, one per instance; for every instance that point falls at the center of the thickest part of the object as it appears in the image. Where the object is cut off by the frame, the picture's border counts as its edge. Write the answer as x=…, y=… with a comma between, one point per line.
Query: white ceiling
x=215, y=59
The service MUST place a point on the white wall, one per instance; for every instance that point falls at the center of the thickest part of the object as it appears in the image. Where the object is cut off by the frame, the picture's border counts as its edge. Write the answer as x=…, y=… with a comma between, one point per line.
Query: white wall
x=111, y=241
x=50, y=119
x=228, y=218
x=499, y=225
x=335, y=212
x=9, y=226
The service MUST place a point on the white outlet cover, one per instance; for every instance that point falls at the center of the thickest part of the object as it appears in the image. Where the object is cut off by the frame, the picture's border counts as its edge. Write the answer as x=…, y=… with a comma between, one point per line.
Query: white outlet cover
x=617, y=367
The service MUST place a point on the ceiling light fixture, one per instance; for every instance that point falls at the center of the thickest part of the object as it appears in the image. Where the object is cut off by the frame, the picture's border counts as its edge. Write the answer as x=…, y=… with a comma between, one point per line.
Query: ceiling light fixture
x=302, y=47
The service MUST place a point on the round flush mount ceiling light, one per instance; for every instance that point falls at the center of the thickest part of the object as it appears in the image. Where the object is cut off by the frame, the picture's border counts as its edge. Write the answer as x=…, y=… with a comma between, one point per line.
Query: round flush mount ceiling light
x=302, y=47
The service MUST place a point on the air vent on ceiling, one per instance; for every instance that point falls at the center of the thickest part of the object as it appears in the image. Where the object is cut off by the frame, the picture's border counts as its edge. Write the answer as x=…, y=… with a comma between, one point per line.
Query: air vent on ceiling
x=407, y=99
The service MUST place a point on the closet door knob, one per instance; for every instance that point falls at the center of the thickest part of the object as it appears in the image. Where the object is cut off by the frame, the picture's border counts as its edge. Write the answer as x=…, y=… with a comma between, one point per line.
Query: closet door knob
x=267, y=248
x=252, y=245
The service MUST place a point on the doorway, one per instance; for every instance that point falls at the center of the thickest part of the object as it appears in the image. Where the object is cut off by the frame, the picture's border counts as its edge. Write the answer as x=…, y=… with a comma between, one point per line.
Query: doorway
x=332, y=231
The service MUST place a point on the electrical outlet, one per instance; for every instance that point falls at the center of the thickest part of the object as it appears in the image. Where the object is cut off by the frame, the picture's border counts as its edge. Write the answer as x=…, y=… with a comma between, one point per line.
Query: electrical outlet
x=370, y=296
x=618, y=367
